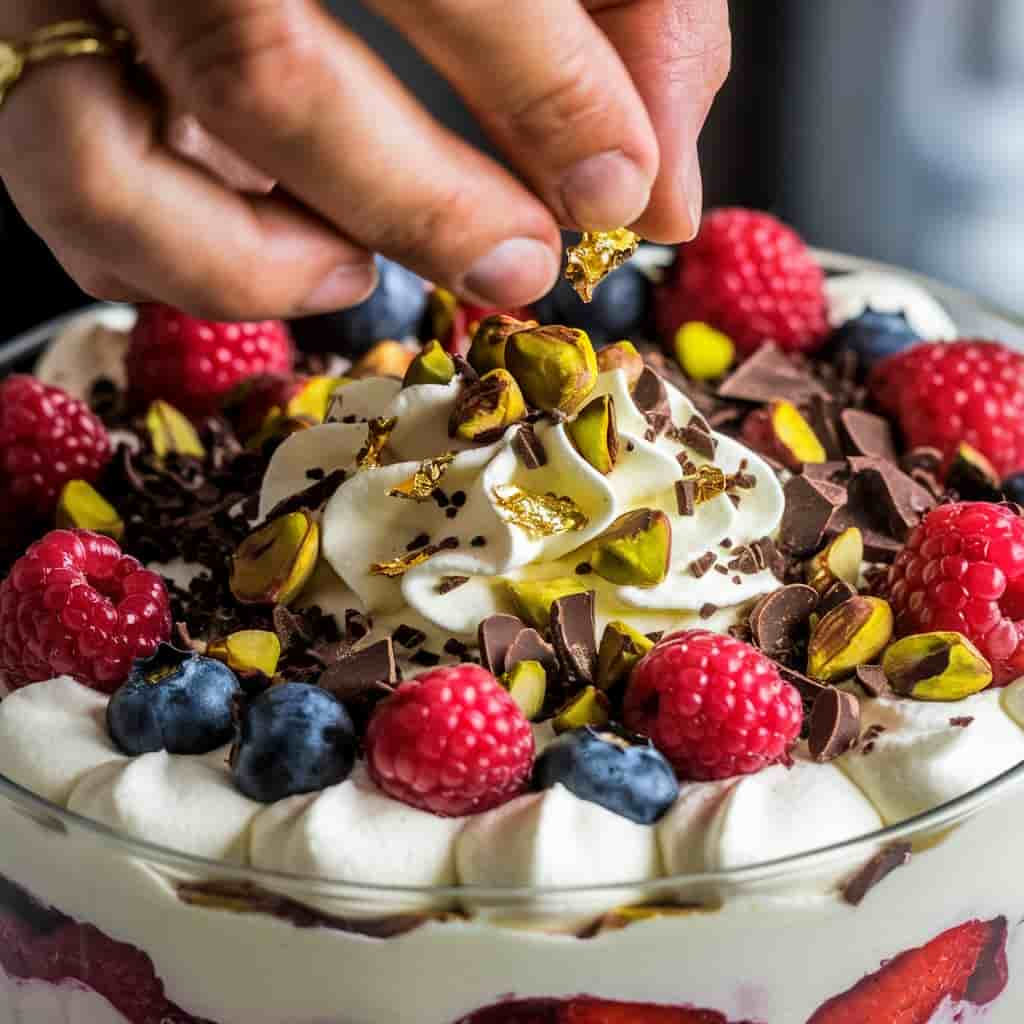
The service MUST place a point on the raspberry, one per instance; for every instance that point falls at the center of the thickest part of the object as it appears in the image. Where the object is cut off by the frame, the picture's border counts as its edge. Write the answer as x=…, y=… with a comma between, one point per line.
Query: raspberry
x=942, y=394
x=451, y=741
x=752, y=277
x=193, y=363
x=962, y=570
x=46, y=439
x=74, y=604
x=714, y=706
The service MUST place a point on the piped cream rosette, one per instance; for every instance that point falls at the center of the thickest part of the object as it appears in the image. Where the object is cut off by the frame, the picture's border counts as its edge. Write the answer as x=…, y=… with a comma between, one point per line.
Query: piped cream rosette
x=485, y=544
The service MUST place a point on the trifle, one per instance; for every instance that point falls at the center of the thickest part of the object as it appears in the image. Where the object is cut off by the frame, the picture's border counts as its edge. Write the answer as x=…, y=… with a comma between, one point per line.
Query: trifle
x=502, y=676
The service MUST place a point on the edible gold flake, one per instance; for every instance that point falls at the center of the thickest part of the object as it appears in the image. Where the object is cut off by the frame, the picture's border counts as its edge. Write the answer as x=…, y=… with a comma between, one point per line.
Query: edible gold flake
x=378, y=433
x=596, y=255
x=423, y=483
x=400, y=566
x=709, y=481
x=539, y=515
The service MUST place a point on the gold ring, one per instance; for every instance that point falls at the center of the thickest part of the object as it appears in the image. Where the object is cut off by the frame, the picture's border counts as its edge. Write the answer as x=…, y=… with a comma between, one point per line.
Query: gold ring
x=62, y=39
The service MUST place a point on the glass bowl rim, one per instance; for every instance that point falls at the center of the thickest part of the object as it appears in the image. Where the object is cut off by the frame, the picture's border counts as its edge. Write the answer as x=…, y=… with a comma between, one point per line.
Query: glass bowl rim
x=944, y=816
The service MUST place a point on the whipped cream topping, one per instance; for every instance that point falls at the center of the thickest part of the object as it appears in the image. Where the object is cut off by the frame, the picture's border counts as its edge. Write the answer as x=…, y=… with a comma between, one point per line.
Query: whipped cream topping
x=363, y=525
x=849, y=295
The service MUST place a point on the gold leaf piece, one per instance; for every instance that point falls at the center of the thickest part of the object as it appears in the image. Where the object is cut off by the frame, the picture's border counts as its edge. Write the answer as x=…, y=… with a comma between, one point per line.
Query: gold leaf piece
x=400, y=566
x=596, y=255
x=378, y=433
x=709, y=482
x=539, y=515
x=422, y=484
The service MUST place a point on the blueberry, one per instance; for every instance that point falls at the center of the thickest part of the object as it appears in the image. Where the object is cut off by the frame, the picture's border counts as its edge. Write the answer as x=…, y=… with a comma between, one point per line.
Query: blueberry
x=874, y=335
x=175, y=701
x=1013, y=488
x=394, y=310
x=294, y=738
x=622, y=773
x=619, y=308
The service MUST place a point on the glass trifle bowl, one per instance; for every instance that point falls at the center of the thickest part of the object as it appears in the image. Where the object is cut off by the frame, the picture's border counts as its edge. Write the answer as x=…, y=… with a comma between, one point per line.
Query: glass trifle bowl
x=878, y=887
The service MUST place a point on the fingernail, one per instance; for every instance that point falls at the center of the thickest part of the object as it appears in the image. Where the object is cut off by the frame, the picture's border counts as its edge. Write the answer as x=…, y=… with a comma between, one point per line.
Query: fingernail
x=347, y=285
x=605, y=191
x=518, y=271
x=693, y=188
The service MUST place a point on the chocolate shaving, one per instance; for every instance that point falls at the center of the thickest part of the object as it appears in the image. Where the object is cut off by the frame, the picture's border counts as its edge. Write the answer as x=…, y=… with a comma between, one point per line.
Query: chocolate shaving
x=574, y=632
x=528, y=447
x=811, y=506
x=808, y=688
x=961, y=721
x=362, y=671
x=768, y=375
x=651, y=397
x=745, y=561
x=408, y=637
x=686, y=496
x=839, y=593
x=779, y=617
x=882, y=864
x=868, y=435
x=494, y=636
x=529, y=645
x=700, y=566
x=699, y=440
x=835, y=724
x=892, y=502
x=874, y=680
x=450, y=583
x=708, y=609
x=823, y=418
x=312, y=498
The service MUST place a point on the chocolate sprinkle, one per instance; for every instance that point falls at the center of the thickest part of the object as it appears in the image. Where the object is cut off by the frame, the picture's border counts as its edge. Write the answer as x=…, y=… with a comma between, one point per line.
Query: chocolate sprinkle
x=528, y=447
x=408, y=637
x=896, y=855
x=686, y=496
x=961, y=721
x=708, y=609
x=835, y=724
x=573, y=630
x=450, y=583
x=700, y=566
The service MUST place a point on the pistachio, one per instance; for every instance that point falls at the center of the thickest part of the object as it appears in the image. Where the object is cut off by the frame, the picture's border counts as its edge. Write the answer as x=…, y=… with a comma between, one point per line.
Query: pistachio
x=487, y=349
x=588, y=707
x=82, y=507
x=171, y=432
x=621, y=356
x=527, y=684
x=314, y=398
x=936, y=666
x=635, y=551
x=432, y=366
x=839, y=561
x=556, y=367
x=486, y=407
x=533, y=598
x=274, y=563
x=621, y=648
x=278, y=429
x=781, y=432
x=702, y=352
x=595, y=434
x=853, y=634
x=386, y=359
x=247, y=651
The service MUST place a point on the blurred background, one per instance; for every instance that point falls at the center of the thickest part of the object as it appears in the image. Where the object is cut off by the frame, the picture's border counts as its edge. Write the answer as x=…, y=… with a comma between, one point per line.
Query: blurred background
x=886, y=128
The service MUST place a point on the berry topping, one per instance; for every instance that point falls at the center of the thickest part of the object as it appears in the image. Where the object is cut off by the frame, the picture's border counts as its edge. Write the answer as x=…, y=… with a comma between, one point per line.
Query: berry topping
x=174, y=701
x=619, y=307
x=393, y=310
x=873, y=336
x=1013, y=488
x=193, y=363
x=962, y=571
x=623, y=774
x=46, y=439
x=293, y=738
x=451, y=741
x=714, y=706
x=74, y=605
x=750, y=276
x=942, y=394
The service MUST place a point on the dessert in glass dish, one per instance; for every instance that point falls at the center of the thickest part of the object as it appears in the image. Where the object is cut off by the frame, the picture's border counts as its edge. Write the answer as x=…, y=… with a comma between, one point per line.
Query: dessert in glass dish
x=506, y=677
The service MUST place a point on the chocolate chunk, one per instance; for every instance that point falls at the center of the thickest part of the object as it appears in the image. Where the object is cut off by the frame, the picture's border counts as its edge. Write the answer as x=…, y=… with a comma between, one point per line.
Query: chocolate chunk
x=408, y=637
x=528, y=447
x=529, y=645
x=708, y=609
x=883, y=863
x=835, y=724
x=823, y=417
x=574, y=632
x=882, y=491
x=700, y=566
x=699, y=440
x=811, y=505
x=312, y=497
x=494, y=636
x=686, y=496
x=450, y=583
x=362, y=671
x=808, y=688
x=768, y=375
x=839, y=593
x=961, y=721
x=874, y=680
x=778, y=618
x=868, y=434
x=651, y=397
x=421, y=540
x=699, y=423
x=745, y=561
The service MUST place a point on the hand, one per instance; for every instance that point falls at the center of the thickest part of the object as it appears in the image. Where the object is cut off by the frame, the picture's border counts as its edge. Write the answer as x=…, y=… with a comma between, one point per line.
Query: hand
x=597, y=105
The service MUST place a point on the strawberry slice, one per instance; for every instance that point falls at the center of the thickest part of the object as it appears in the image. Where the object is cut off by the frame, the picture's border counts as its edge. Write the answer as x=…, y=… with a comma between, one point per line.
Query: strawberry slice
x=965, y=963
